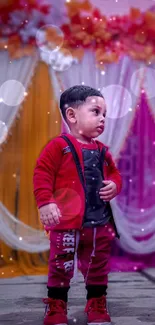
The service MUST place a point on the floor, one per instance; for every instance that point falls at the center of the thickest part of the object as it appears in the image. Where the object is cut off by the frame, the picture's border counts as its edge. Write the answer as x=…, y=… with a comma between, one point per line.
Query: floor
x=131, y=299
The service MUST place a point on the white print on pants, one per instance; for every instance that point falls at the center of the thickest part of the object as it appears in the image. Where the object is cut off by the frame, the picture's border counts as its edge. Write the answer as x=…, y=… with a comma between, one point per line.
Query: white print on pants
x=69, y=240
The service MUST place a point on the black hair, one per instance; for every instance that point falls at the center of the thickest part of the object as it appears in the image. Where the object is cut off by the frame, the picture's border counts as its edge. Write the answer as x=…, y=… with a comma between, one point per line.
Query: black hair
x=75, y=96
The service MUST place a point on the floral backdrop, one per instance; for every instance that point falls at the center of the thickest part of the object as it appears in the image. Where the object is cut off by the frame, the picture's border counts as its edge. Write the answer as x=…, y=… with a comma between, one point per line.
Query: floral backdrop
x=85, y=28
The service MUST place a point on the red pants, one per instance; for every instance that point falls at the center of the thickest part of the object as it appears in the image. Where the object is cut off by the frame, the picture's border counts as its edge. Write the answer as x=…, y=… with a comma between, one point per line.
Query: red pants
x=93, y=249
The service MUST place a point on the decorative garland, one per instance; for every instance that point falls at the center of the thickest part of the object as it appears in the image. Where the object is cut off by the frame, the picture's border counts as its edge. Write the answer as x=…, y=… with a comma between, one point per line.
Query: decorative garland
x=87, y=28
x=110, y=38
x=19, y=22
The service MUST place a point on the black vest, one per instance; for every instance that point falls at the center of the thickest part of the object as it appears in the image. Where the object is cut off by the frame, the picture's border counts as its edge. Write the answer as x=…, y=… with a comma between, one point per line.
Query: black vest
x=105, y=208
x=97, y=211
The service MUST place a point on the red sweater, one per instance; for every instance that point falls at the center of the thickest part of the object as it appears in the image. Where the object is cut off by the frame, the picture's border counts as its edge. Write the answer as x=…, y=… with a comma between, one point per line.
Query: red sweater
x=56, y=180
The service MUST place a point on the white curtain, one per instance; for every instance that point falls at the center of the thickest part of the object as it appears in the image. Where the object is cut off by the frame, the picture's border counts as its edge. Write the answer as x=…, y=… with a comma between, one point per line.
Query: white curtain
x=15, y=78
x=20, y=236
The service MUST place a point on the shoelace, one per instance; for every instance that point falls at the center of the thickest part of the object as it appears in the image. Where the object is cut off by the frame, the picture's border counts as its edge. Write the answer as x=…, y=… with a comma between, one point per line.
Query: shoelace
x=96, y=304
x=54, y=305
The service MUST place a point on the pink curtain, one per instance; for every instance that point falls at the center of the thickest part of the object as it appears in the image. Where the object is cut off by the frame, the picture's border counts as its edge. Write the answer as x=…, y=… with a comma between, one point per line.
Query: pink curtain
x=137, y=166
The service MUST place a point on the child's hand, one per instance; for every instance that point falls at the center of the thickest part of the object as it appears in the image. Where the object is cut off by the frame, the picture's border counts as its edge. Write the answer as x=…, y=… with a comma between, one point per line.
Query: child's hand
x=50, y=214
x=108, y=192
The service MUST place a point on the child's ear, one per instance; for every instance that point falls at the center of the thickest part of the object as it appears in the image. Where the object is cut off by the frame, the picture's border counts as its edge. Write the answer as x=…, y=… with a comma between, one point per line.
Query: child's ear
x=70, y=115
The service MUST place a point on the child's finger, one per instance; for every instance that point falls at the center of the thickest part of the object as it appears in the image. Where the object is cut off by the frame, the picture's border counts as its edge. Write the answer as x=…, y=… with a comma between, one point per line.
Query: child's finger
x=55, y=216
x=106, y=195
x=106, y=182
x=105, y=198
x=55, y=220
x=45, y=220
x=105, y=192
x=107, y=187
x=59, y=212
x=52, y=221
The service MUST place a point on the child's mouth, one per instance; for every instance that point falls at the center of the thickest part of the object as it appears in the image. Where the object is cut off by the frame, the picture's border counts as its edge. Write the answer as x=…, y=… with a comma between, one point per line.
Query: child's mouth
x=100, y=128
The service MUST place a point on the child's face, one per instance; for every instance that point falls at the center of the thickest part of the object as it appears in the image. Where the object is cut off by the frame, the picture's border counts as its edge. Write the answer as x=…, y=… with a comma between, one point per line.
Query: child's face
x=90, y=117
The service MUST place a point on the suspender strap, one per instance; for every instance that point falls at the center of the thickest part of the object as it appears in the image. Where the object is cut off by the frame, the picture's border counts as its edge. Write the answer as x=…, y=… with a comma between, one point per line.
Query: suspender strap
x=76, y=159
x=101, y=159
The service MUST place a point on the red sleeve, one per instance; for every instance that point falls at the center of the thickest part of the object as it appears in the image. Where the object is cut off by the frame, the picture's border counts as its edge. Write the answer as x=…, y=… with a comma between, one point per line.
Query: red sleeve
x=45, y=172
x=112, y=172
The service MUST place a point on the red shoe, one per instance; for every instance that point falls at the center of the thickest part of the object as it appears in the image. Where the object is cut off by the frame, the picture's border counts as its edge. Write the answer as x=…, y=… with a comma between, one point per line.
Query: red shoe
x=55, y=312
x=97, y=313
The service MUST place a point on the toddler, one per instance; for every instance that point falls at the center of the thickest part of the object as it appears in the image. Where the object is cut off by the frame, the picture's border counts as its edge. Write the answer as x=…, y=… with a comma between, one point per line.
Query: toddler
x=74, y=180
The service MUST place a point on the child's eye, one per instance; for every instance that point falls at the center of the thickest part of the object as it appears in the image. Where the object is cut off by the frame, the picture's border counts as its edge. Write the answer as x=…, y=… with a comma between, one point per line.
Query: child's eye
x=96, y=111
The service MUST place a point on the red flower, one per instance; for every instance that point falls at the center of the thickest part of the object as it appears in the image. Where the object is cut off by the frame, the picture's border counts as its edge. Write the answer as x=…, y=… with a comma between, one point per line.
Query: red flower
x=88, y=25
x=66, y=30
x=45, y=9
x=75, y=19
x=96, y=14
x=32, y=41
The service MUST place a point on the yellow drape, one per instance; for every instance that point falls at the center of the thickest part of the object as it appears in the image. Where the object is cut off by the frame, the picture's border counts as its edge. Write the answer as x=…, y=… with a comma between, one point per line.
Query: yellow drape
x=39, y=121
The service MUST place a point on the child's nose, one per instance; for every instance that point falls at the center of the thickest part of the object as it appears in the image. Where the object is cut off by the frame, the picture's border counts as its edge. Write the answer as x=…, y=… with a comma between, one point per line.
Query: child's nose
x=102, y=118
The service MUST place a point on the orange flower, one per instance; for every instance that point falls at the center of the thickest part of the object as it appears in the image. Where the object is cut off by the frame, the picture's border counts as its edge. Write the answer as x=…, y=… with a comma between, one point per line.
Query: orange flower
x=138, y=55
x=102, y=56
x=101, y=32
x=77, y=53
x=140, y=52
x=100, y=24
x=76, y=29
x=17, y=53
x=141, y=36
x=14, y=41
x=53, y=37
x=149, y=18
x=84, y=37
x=75, y=6
x=135, y=14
